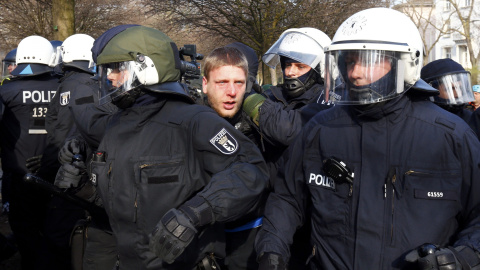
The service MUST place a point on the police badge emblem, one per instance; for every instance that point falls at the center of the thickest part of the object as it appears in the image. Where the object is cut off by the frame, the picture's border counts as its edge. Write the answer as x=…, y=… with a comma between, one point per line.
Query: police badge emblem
x=224, y=142
x=65, y=98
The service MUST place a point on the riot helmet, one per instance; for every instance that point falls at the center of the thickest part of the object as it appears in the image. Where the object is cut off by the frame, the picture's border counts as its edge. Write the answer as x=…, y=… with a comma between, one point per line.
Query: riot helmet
x=134, y=58
x=299, y=45
x=35, y=56
x=452, y=81
x=9, y=63
x=76, y=52
x=375, y=55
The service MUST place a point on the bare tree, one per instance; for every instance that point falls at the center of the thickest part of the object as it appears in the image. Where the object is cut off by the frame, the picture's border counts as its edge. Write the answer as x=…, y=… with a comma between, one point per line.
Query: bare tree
x=466, y=15
x=256, y=23
x=22, y=18
x=431, y=26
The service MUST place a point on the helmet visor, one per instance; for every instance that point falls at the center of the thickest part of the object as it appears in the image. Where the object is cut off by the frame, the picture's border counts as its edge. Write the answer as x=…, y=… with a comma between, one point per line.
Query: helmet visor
x=363, y=76
x=455, y=89
x=297, y=46
x=7, y=67
x=116, y=79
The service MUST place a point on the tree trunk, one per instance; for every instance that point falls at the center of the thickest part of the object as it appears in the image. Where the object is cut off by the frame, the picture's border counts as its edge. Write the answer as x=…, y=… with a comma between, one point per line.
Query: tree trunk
x=63, y=12
x=273, y=75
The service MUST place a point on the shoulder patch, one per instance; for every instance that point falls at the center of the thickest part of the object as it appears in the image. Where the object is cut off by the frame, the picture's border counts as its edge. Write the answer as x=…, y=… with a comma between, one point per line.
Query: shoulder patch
x=224, y=142
x=65, y=98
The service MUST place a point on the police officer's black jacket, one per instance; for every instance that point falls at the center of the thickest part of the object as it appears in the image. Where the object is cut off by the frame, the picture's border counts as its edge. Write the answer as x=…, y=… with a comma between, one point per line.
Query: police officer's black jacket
x=160, y=154
x=281, y=119
x=23, y=133
x=416, y=180
x=60, y=124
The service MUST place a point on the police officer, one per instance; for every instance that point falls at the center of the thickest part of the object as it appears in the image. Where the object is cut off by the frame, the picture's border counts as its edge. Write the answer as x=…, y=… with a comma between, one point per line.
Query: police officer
x=9, y=63
x=23, y=134
x=453, y=83
x=384, y=175
x=74, y=61
x=180, y=170
x=281, y=112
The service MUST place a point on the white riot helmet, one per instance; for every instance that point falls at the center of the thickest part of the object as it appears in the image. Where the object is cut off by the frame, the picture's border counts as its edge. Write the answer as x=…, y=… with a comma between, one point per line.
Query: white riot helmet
x=76, y=51
x=304, y=45
x=35, y=55
x=385, y=46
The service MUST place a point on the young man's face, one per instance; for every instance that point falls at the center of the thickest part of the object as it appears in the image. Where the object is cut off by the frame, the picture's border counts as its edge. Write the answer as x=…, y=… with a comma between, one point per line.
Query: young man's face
x=225, y=90
x=359, y=74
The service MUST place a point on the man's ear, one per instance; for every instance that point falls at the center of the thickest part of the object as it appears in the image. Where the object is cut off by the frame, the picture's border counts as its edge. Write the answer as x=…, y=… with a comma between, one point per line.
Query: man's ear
x=204, y=85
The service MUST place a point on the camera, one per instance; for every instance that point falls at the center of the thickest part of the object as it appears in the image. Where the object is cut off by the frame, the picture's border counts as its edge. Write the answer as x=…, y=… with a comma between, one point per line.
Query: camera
x=190, y=69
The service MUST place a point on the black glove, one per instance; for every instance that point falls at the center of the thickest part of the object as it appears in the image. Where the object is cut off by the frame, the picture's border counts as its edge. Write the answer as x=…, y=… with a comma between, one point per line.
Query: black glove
x=172, y=235
x=33, y=164
x=70, y=175
x=70, y=148
x=271, y=261
x=428, y=256
x=177, y=228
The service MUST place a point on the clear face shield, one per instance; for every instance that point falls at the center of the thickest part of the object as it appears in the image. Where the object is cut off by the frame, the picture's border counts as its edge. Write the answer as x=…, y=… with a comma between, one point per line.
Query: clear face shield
x=455, y=89
x=354, y=77
x=7, y=67
x=296, y=46
x=116, y=79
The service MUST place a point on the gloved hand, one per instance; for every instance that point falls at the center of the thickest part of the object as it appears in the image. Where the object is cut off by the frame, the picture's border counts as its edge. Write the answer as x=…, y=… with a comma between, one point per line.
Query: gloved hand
x=33, y=164
x=69, y=175
x=251, y=106
x=172, y=235
x=428, y=256
x=271, y=261
x=177, y=227
x=69, y=149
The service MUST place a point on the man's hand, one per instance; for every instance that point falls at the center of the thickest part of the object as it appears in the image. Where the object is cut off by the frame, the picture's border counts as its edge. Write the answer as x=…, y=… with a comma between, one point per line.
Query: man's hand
x=69, y=175
x=70, y=148
x=251, y=106
x=172, y=235
x=33, y=164
x=428, y=256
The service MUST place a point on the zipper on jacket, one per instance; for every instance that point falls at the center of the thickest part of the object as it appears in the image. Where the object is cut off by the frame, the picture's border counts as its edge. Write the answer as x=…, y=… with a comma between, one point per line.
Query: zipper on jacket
x=135, y=205
x=389, y=195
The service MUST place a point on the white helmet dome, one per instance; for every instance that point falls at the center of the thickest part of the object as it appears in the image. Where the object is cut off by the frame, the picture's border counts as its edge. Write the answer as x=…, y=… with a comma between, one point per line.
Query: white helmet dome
x=305, y=45
x=376, y=34
x=35, y=55
x=76, y=51
x=36, y=50
x=77, y=47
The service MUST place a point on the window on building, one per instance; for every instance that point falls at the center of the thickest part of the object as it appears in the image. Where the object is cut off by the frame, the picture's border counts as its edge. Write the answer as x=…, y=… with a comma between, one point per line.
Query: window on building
x=448, y=5
x=463, y=55
x=468, y=3
x=447, y=52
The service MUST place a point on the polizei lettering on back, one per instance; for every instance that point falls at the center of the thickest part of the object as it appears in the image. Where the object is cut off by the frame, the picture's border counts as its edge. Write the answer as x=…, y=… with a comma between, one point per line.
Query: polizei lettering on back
x=320, y=180
x=37, y=96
